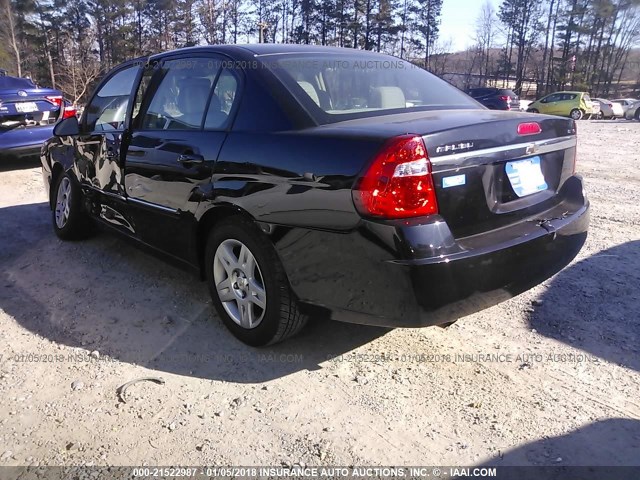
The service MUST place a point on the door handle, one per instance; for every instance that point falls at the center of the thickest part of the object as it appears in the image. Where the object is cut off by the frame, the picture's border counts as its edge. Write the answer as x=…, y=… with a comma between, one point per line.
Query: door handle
x=190, y=159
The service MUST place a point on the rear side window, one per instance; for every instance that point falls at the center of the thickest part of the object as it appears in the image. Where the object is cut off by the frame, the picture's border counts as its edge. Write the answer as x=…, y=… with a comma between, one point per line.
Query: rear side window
x=108, y=108
x=182, y=91
x=335, y=87
x=222, y=101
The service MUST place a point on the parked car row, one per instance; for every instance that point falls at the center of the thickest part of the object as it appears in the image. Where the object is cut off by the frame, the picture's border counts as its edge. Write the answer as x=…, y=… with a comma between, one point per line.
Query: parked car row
x=28, y=114
x=578, y=105
x=573, y=104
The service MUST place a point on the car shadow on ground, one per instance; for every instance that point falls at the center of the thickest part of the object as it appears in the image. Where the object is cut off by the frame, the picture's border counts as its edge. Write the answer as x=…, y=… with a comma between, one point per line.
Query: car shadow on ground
x=19, y=164
x=106, y=295
x=614, y=442
x=599, y=317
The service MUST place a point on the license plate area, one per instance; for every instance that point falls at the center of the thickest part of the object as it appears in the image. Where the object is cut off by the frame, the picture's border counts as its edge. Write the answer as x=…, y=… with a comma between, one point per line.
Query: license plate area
x=525, y=176
x=26, y=107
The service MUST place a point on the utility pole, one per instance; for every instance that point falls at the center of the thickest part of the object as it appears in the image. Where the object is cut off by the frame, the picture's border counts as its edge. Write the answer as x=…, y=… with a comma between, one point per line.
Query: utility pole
x=262, y=26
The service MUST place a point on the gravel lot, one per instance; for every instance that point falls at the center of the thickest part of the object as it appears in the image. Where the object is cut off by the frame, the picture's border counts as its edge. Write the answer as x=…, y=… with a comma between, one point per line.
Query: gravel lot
x=550, y=377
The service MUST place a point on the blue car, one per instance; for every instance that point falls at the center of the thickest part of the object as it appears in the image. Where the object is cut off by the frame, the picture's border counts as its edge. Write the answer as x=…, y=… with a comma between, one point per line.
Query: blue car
x=27, y=116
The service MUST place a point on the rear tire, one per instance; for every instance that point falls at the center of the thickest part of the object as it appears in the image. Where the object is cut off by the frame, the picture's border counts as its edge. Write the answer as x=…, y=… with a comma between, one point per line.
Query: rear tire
x=248, y=285
x=533, y=110
x=637, y=115
x=69, y=221
x=576, y=114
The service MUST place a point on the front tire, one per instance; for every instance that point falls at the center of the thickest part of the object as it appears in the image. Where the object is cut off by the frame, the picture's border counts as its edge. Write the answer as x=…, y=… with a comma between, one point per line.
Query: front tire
x=532, y=110
x=576, y=114
x=69, y=221
x=248, y=285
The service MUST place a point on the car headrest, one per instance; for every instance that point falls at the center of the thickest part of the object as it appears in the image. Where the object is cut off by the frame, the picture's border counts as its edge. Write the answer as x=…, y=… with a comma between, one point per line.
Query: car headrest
x=215, y=105
x=193, y=95
x=388, y=97
x=310, y=90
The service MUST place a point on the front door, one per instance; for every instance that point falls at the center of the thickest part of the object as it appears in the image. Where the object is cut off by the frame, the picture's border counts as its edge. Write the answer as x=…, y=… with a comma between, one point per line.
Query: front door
x=99, y=162
x=175, y=140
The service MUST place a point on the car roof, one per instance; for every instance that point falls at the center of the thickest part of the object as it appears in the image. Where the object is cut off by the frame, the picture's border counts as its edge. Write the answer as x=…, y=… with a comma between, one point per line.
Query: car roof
x=259, y=49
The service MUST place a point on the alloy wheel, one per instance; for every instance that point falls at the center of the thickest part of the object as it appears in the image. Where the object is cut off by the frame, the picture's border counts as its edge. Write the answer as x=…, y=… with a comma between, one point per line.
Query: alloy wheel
x=63, y=202
x=239, y=283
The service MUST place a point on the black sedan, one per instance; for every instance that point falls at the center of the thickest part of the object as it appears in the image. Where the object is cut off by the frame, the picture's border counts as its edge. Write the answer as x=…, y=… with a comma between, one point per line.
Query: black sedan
x=309, y=181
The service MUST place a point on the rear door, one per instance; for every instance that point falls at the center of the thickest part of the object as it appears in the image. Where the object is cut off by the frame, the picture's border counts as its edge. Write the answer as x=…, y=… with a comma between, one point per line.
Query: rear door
x=176, y=137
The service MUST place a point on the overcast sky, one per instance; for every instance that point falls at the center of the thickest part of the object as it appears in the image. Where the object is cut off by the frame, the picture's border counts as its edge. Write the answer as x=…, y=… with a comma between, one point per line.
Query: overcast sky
x=458, y=21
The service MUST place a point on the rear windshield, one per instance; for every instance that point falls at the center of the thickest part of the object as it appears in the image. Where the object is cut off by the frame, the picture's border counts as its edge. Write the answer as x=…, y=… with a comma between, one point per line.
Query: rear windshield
x=344, y=86
x=508, y=93
x=15, y=82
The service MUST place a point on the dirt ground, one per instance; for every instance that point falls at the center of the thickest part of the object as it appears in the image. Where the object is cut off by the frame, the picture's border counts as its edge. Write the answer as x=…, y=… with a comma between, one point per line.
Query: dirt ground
x=550, y=377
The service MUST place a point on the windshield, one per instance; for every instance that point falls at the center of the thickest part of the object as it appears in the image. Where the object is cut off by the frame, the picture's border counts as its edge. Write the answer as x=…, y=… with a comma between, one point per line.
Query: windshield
x=335, y=87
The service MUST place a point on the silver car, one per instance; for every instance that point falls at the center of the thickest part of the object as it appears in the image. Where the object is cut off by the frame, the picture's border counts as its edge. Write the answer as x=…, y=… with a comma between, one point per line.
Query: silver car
x=609, y=109
x=626, y=103
x=633, y=112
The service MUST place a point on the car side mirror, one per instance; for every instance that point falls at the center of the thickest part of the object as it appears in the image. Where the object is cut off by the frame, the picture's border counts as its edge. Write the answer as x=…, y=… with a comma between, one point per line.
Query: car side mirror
x=67, y=127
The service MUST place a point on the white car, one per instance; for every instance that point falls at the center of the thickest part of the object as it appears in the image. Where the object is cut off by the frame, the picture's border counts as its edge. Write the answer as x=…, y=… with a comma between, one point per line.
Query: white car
x=626, y=103
x=609, y=109
x=524, y=104
x=596, y=112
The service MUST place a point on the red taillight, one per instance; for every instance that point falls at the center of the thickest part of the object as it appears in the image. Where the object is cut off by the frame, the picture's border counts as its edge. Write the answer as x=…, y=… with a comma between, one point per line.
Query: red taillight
x=398, y=184
x=69, y=112
x=505, y=98
x=56, y=100
x=529, y=128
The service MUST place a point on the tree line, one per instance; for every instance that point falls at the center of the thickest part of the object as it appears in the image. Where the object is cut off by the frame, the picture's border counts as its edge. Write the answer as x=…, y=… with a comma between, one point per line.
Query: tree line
x=586, y=44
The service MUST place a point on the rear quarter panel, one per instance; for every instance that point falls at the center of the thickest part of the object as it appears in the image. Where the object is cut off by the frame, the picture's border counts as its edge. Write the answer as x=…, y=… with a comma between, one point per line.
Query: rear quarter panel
x=296, y=179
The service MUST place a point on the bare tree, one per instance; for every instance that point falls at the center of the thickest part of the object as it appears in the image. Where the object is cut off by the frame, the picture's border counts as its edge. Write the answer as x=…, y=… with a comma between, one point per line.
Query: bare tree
x=485, y=35
x=8, y=31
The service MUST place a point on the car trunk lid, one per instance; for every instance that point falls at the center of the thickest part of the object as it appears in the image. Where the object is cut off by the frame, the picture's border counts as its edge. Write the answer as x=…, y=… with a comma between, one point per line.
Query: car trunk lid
x=489, y=176
x=487, y=172
x=24, y=106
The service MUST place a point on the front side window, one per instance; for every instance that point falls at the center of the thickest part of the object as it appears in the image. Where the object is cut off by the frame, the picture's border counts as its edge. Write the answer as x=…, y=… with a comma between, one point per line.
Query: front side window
x=342, y=86
x=183, y=89
x=108, y=108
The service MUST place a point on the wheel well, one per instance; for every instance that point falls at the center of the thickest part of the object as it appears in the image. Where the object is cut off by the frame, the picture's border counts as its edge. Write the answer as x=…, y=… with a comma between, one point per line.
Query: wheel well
x=56, y=171
x=208, y=221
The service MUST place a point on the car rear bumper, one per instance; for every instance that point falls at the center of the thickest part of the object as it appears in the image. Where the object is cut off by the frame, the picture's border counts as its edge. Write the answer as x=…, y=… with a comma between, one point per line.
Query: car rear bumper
x=470, y=274
x=24, y=142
